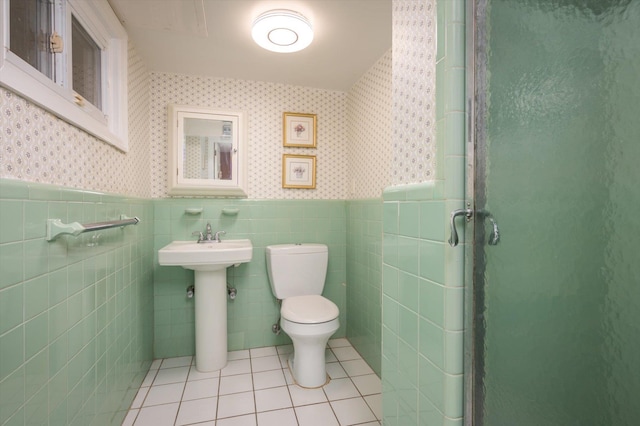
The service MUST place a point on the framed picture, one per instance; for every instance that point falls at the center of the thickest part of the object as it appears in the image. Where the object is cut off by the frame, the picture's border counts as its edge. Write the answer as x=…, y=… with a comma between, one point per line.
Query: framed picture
x=299, y=171
x=299, y=130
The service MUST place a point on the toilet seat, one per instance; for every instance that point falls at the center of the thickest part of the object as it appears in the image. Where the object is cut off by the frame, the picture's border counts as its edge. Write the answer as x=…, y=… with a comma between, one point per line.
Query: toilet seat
x=308, y=309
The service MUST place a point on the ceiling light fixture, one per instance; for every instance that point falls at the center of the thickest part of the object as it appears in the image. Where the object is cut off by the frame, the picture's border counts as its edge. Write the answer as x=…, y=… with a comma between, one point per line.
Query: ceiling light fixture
x=282, y=31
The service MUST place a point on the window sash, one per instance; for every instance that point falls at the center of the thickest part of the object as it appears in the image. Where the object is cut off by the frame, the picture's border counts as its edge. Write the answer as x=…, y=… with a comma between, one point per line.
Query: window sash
x=57, y=95
x=31, y=23
x=86, y=69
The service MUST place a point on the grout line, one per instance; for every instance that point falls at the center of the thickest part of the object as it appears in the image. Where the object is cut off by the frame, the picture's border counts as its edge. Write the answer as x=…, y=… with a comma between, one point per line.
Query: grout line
x=253, y=390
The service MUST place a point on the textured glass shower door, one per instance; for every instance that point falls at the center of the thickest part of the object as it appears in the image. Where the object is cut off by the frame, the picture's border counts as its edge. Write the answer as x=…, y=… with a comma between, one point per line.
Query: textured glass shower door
x=557, y=301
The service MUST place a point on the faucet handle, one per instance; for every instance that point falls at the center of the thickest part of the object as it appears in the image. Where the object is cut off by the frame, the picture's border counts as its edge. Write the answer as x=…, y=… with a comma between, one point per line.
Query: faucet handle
x=216, y=236
x=199, y=234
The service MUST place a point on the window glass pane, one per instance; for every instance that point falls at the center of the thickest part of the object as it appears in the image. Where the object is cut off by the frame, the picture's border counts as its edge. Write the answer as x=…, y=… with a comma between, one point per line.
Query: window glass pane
x=86, y=62
x=30, y=29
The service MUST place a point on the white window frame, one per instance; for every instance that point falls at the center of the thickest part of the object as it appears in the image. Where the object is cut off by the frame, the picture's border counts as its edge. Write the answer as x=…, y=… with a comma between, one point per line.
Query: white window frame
x=109, y=124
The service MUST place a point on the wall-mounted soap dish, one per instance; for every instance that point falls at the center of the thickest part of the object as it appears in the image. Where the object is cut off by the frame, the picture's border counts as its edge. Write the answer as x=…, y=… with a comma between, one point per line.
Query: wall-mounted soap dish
x=229, y=211
x=193, y=210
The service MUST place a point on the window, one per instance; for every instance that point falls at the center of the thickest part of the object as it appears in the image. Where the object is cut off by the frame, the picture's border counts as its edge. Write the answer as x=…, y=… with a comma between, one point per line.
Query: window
x=30, y=25
x=86, y=60
x=70, y=57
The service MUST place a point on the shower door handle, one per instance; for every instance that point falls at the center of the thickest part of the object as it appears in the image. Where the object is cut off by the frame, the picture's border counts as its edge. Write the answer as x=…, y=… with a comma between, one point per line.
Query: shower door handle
x=468, y=213
x=494, y=238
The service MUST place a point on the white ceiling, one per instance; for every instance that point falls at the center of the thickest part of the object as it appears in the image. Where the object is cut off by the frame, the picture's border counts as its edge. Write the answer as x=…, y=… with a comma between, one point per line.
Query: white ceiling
x=213, y=38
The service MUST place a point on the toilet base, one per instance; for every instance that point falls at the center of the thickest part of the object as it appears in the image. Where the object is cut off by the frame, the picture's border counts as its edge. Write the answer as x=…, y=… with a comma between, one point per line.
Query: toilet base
x=307, y=363
x=290, y=365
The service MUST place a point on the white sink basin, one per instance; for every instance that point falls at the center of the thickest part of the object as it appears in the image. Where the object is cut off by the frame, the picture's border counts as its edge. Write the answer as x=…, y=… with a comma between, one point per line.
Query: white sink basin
x=209, y=262
x=205, y=256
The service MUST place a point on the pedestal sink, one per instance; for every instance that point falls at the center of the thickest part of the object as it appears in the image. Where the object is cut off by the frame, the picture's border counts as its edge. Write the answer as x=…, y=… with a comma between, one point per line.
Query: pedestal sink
x=209, y=261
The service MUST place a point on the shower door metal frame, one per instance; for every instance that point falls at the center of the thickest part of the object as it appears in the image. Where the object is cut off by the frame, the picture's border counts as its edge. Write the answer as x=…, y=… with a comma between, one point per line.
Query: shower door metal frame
x=474, y=192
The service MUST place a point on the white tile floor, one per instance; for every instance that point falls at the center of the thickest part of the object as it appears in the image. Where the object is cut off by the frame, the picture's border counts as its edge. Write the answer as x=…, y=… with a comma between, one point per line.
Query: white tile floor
x=256, y=388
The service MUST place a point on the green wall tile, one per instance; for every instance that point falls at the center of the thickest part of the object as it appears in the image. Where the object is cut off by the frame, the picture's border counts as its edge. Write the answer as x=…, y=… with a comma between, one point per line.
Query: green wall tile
x=390, y=314
x=57, y=286
x=36, y=258
x=454, y=316
x=428, y=414
x=408, y=326
x=454, y=12
x=454, y=352
x=11, y=307
x=420, y=191
x=409, y=219
x=59, y=293
x=58, y=354
x=12, y=223
x=432, y=261
x=390, y=280
x=409, y=290
x=455, y=33
x=432, y=343
x=12, y=395
x=432, y=302
x=11, y=263
x=43, y=192
x=453, y=394
x=408, y=254
x=10, y=188
x=432, y=216
x=11, y=350
x=36, y=334
x=431, y=382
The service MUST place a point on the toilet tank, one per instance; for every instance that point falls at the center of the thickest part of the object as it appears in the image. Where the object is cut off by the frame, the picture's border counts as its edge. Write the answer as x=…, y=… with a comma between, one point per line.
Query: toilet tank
x=297, y=269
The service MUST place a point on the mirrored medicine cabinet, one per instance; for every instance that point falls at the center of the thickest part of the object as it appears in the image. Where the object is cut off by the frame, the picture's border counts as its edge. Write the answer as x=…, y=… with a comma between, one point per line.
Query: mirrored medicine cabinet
x=207, y=152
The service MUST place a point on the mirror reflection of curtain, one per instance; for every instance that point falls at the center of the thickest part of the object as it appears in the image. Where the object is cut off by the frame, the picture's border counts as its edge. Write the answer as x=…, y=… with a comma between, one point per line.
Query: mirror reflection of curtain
x=225, y=165
x=224, y=172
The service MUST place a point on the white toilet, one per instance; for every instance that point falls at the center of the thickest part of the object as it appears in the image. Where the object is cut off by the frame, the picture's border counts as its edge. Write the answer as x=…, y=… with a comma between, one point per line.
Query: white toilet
x=296, y=274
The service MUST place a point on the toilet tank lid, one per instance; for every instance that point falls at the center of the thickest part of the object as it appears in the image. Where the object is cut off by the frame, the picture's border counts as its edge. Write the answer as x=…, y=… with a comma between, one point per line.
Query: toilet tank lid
x=284, y=249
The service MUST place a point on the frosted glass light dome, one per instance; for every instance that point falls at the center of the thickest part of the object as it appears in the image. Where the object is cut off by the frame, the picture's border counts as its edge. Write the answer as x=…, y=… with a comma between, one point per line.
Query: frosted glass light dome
x=282, y=30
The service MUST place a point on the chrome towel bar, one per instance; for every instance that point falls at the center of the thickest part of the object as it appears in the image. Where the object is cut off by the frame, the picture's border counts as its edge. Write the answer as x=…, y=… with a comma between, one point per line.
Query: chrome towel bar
x=55, y=227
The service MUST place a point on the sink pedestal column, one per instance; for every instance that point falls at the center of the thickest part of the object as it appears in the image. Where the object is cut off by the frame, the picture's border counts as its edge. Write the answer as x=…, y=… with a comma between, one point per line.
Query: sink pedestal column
x=211, y=319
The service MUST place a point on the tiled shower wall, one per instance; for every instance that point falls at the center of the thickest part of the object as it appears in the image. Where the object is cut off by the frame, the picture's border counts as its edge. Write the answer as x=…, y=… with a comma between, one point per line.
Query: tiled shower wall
x=254, y=310
x=369, y=151
x=76, y=313
x=422, y=337
x=364, y=279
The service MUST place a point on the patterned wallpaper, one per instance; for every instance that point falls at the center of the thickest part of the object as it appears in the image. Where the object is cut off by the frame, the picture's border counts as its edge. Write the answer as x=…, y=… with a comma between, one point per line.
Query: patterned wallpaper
x=39, y=147
x=356, y=157
x=369, y=131
x=413, y=127
x=264, y=104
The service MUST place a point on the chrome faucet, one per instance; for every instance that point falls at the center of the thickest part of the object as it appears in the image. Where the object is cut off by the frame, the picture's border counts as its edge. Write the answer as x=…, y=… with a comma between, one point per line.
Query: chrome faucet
x=208, y=236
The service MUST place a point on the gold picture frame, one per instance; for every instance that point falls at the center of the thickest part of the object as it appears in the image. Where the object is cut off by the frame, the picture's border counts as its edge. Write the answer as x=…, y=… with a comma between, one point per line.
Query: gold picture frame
x=299, y=171
x=299, y=130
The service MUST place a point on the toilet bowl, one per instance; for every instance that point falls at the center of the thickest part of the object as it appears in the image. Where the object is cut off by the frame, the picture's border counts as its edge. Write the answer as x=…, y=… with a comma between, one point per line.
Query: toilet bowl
x=297, y=273
x=309, y=321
